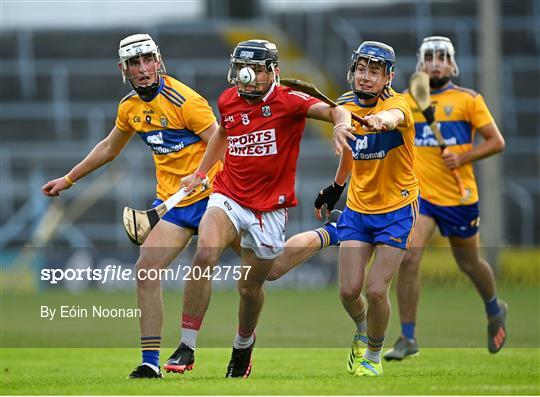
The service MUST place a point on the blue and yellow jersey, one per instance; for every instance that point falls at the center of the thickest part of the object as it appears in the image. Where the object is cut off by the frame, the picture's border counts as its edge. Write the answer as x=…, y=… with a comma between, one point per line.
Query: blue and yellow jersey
x=382, y=177
x=459, y=112
x=170, y=124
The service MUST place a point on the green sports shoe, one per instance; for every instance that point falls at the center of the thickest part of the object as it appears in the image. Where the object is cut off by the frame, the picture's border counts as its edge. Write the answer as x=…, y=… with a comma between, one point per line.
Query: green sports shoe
x=368, y=368
x=356, y=352
x=497, y=329
x=403, y=348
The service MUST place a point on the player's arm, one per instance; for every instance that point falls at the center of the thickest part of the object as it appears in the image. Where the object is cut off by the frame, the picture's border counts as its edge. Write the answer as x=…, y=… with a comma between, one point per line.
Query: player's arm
x=330, y=195
x=340, y=117
x=493, y=143
x=215, y=150
x=344, y=168
x=385, y=120
x=207, y=133
x=104, y=152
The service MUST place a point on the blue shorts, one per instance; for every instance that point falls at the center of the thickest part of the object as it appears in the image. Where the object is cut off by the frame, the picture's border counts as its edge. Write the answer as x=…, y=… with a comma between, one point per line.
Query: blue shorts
x=392, y=228
x=455, y=221
x=187, y=217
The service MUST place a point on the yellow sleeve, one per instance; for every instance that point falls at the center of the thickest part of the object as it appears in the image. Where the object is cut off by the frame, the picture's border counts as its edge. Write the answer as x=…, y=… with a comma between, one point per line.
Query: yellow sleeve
x=398, y=101
x=409, y=99
x=479, y=115
x=122, y=122
x=197, y=114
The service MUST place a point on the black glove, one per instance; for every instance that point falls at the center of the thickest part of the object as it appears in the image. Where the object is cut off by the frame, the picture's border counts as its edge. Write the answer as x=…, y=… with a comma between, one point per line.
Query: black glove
x=329, y=196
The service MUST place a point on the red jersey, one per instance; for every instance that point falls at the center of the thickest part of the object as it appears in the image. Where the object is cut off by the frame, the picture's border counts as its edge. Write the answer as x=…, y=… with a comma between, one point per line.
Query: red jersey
x=263, y=146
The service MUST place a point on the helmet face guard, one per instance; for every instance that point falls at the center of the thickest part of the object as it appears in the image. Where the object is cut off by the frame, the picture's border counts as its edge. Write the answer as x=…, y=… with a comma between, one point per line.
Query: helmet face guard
x=374, y=53
x=134, y=50
x=433, y=46
x=248, y=60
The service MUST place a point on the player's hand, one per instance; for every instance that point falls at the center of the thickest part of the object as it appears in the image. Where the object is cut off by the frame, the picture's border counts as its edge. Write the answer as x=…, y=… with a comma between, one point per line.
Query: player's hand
x=190, y=182
x=451, y=160
x=342, y=132
x=374, y=122
x=54, y=187
x=330, y=196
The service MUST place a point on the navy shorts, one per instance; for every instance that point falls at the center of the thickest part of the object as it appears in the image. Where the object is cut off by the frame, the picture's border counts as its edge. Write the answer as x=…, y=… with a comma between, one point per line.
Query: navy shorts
x=187, y=217
x=392, y=228
x=453, y=221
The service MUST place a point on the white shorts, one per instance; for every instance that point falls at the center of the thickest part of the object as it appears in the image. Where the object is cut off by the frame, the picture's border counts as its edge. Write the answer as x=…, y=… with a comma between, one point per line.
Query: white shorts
x=263, y=232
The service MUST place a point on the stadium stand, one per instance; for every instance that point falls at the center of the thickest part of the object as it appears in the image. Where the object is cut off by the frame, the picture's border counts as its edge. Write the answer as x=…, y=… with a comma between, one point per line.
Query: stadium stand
x=61, y=88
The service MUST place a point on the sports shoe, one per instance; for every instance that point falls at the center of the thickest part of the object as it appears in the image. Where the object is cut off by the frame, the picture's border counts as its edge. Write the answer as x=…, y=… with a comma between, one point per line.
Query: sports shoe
x=145, y=372
x=367, y=367
x=403, y=348
x=181, y=360
x=356, y=352
x=497, y=329
x=240, y=364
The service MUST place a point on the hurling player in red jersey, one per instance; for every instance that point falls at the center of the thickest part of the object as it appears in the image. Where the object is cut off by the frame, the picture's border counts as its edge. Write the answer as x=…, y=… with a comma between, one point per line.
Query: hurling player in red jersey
x=261, y=128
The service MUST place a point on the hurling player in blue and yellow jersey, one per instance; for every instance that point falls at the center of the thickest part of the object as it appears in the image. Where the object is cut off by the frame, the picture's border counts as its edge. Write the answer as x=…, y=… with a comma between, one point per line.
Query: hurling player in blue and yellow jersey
x=382, y=199
x=461, y=113
x=176, y=123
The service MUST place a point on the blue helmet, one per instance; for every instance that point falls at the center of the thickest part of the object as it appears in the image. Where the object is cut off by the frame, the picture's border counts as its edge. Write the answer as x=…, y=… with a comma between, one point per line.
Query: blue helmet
x=373, y=51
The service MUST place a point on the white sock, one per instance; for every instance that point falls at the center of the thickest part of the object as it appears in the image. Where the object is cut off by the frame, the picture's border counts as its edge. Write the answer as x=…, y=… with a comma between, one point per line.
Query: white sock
x=189, y=337
x=242, y=343
x=373, y=356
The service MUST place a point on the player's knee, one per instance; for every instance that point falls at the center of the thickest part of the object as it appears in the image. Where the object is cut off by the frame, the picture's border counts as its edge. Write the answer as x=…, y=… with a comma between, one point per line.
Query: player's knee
x=274, y=273
x=411, y=261
x=249, y=291
x=272, y=276
x=146, y=273
x=205, y=257
x=146, y=262
x=349, y=293
x=376, y=293
x=465, y=265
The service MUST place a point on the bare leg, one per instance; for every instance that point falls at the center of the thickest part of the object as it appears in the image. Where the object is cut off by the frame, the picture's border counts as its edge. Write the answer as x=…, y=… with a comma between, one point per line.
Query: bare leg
x=385, y=266
x=298, y=249
x=216, y=232
x=408, y=280
x=254, y=274
x=162, y=246
x=353, y=259
x=467, y=256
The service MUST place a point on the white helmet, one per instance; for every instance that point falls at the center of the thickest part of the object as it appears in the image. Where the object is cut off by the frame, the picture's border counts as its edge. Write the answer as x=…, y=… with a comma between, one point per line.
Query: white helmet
x=433, y=44
x=134, y=46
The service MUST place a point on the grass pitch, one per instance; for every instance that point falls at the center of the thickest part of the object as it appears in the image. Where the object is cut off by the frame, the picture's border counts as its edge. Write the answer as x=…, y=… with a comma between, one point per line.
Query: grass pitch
x=276, y=371
x=303, y=337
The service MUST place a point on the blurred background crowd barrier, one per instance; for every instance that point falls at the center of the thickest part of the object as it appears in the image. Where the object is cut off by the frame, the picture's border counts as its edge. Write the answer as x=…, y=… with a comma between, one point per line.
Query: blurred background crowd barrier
x=61, y=87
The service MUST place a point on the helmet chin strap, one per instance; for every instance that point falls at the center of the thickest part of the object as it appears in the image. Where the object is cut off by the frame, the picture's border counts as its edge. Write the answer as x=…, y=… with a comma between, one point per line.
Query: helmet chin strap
x=148, y=91
x=362, y=95
x=250, y=96
x=254, y=95
x=366, y=96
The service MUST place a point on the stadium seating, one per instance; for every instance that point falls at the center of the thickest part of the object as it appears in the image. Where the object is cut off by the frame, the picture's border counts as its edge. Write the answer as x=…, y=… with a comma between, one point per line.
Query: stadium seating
x=60, y=90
